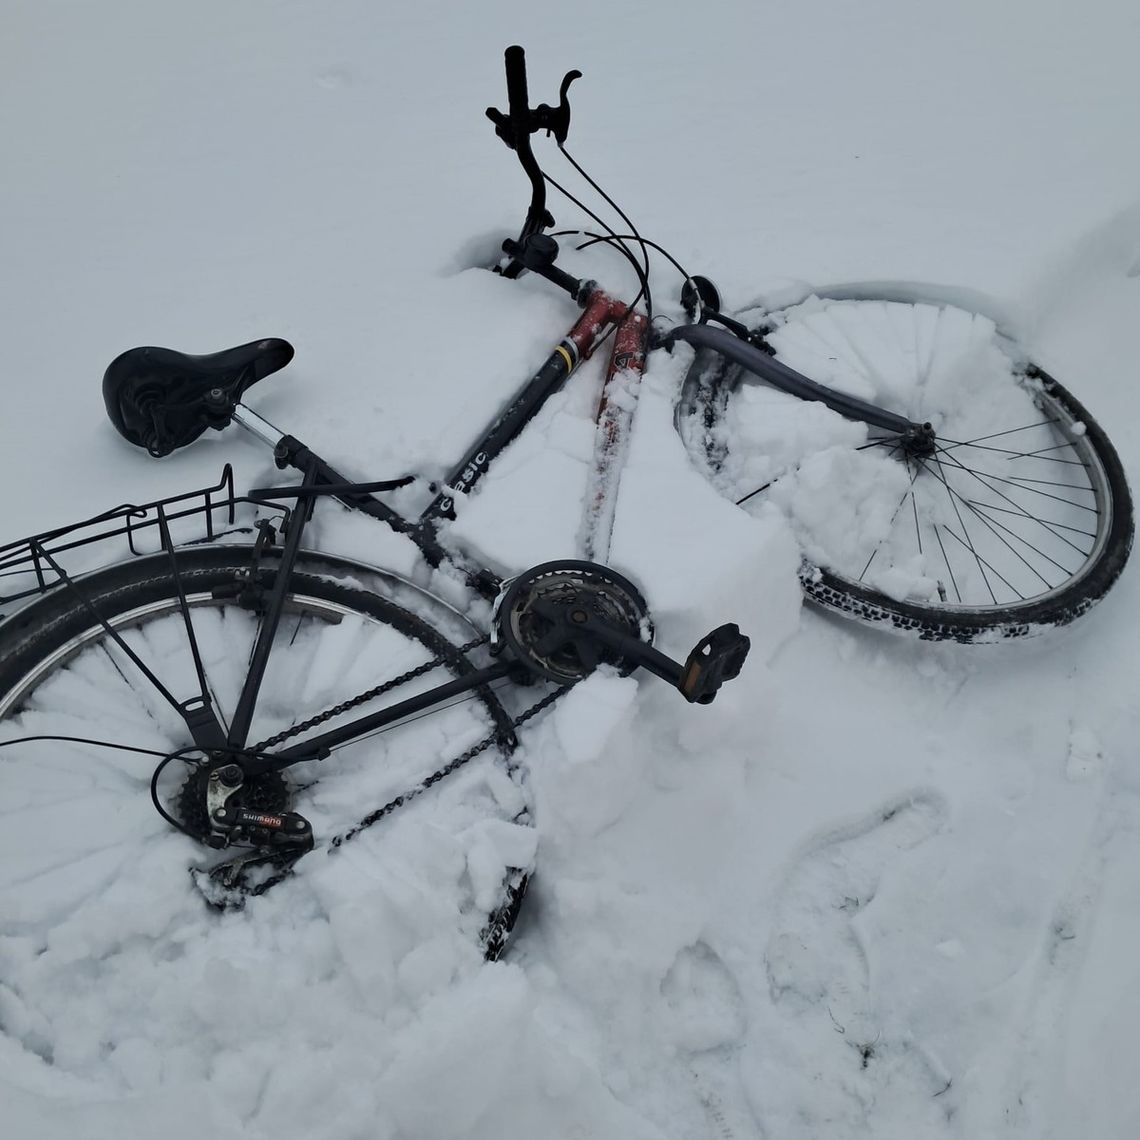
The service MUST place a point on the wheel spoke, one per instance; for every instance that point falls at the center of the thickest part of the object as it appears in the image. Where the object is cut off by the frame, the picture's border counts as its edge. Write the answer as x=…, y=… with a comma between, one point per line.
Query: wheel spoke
x=1087, y=488
x=908, y=493
x=977, y=508
x=993, y=528
x=1018, y=509
x=981, y=564
x=1011, y=455
x=1046, y=450
x=949, y=568
x=881, y=441
x=914, y=507
x=1050, y=522
x=751, y=494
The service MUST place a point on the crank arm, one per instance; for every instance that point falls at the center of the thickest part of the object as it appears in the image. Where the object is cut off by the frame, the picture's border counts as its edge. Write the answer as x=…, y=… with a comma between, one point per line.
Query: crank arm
x=716, y=658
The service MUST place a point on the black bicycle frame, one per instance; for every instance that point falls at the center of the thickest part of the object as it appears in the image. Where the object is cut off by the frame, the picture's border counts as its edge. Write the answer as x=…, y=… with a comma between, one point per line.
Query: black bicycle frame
x=320, y=747
x=601, y=316
x=602, y=313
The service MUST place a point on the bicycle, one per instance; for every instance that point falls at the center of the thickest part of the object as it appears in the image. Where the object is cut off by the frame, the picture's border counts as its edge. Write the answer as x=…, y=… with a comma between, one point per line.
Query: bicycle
x=211, y=611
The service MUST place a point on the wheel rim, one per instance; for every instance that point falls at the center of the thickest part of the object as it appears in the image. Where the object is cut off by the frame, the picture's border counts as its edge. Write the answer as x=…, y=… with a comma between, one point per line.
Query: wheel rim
x=11, y=699
x=93, y=881
x=1012, y=508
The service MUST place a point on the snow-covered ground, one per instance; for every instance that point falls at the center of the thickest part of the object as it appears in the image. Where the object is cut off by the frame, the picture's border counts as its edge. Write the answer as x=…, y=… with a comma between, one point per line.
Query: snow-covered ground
x=879, y=888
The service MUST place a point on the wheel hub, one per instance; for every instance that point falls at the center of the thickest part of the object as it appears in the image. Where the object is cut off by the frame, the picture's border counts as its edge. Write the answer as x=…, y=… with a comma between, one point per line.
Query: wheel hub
x=919, y=442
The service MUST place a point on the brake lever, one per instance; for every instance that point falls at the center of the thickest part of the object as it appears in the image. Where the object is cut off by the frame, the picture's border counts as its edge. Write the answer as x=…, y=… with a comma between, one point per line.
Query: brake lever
x=554, y=120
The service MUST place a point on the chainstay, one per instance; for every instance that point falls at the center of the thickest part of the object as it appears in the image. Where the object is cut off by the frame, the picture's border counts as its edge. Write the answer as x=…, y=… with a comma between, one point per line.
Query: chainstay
x=441, y=773
x=363, y=698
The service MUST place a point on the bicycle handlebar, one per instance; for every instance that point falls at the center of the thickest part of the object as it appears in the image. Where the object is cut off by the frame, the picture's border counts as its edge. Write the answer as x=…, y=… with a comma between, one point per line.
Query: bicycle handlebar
x=516, y=127
x=518, y=101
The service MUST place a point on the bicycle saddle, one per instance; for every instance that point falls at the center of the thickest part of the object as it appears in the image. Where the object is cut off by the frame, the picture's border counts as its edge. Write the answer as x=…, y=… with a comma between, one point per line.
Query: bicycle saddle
x=160, y=399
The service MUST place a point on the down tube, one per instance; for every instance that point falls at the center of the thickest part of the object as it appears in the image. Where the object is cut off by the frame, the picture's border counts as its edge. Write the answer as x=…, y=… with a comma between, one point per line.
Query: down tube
x=577, y=345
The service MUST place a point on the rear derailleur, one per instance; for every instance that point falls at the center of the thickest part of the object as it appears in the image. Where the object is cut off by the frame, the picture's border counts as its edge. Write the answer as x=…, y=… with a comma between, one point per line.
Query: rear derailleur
x=223, y=808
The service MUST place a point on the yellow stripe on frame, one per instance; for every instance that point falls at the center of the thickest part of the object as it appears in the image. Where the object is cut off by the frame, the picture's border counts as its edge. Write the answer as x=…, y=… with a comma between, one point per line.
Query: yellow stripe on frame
x=566, y=357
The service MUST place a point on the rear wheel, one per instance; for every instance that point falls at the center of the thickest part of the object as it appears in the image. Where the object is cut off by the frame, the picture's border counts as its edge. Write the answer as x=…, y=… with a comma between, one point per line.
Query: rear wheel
x=1017, y=518
x=94, y=883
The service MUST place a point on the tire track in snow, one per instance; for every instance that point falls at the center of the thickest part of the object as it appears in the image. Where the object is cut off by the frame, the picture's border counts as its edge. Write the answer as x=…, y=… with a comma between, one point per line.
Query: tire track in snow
x=1038, y=1098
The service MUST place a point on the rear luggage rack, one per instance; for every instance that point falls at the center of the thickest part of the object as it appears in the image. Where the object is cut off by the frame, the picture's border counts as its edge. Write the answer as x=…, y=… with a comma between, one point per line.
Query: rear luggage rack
x=37, y=556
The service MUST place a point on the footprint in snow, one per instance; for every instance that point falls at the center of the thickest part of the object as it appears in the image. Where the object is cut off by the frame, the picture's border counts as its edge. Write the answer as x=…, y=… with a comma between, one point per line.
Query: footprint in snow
x=707, y=1022
x=814, y=956
x=828, y=1059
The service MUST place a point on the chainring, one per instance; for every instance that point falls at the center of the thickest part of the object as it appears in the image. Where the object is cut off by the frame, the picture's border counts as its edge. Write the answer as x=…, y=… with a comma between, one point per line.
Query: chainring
x=266, y=793
x=531, y=618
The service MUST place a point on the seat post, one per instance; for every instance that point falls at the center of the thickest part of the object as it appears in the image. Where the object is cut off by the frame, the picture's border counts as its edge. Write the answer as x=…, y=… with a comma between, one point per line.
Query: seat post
x=257, y=426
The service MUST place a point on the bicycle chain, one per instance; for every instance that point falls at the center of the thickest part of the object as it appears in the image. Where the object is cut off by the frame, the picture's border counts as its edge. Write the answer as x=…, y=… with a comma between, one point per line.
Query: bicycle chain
x=363, y=698
x=440, y=773
x=224, y=884
x=446, y=770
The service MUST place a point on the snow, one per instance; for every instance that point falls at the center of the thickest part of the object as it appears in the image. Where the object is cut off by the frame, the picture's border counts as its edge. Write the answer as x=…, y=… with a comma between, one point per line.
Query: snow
x=878, y=887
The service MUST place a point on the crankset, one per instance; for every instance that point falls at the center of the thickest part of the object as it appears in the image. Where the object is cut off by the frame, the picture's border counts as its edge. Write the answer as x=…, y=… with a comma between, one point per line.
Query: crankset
x=562, y=620
x=548, y=619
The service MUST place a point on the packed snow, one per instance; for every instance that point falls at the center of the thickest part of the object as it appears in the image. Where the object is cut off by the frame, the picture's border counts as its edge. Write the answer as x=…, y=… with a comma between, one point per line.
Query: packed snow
x=879, y=887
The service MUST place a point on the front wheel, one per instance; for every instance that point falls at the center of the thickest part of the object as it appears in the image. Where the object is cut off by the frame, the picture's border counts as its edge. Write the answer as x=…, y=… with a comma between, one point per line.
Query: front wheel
x=1017, y=517
x=100, y=921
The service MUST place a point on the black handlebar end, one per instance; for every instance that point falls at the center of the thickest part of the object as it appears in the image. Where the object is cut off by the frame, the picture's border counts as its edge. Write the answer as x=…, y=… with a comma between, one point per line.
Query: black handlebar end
x=518, y=102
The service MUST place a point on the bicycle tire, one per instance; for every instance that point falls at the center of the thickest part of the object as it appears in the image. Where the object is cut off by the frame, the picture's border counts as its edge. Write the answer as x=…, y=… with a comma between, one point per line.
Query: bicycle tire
x=991, y=567
x=82, y=835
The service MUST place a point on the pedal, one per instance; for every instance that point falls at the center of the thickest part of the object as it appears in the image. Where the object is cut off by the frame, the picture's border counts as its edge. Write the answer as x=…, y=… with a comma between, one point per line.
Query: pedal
x=717, y=658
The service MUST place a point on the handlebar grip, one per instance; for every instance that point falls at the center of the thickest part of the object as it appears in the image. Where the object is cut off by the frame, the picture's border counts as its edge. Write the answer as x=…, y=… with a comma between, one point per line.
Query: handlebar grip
x=518, y=102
